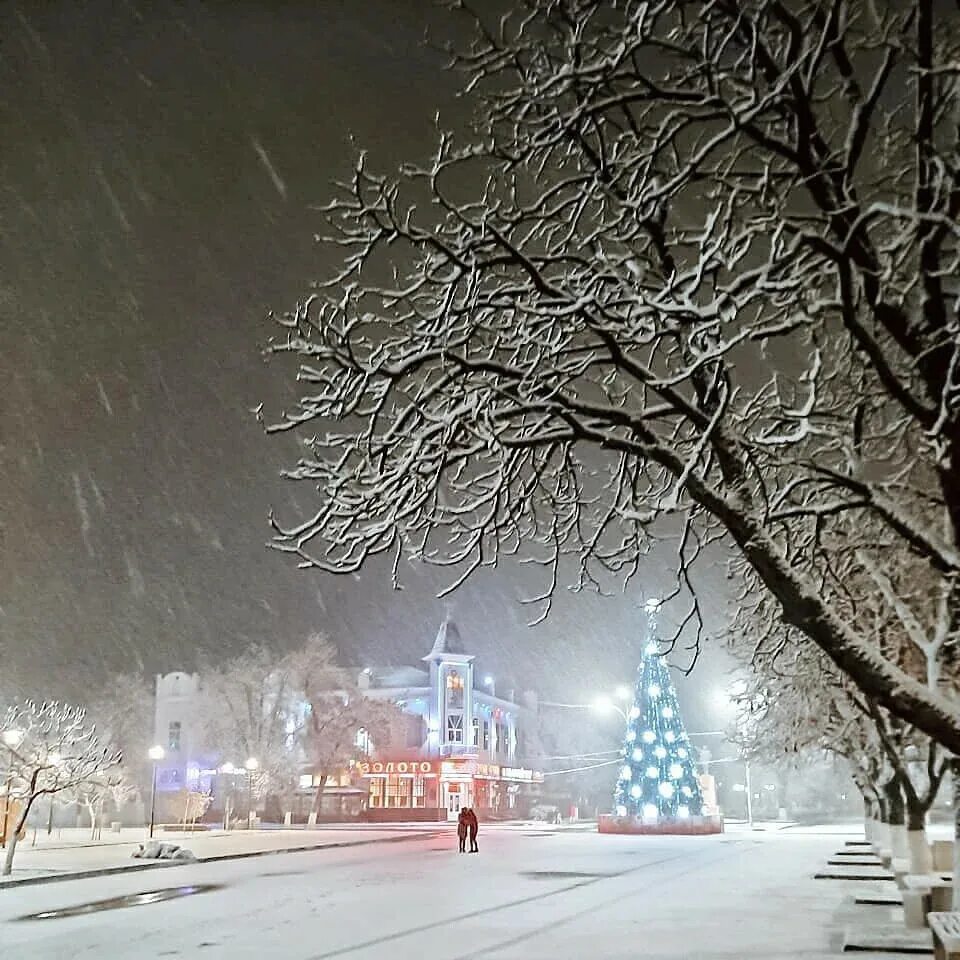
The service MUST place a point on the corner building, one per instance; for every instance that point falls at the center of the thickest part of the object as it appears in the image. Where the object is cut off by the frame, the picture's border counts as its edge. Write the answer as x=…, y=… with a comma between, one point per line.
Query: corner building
x=464, y=746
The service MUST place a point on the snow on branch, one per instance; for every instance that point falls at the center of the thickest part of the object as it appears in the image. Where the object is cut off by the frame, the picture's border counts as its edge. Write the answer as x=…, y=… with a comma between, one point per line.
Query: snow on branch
x=694, y=261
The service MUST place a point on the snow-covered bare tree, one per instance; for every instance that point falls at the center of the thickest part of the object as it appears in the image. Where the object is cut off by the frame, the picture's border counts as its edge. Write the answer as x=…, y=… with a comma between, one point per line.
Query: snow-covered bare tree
x=795, y=701
x=94, y=793
x=339, y=728
x=256, y=705
x=695, y=269
x=122, y=709
x=56, y=751
x=249, y=711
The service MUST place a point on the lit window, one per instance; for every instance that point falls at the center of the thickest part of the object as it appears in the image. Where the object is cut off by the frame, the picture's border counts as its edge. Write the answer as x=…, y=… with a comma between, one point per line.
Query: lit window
x=454, y=691
x=174, y=736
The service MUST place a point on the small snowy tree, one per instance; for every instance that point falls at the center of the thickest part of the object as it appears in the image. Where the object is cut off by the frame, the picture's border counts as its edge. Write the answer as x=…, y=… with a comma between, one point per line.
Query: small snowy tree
x=57, y=752
x=705, y=279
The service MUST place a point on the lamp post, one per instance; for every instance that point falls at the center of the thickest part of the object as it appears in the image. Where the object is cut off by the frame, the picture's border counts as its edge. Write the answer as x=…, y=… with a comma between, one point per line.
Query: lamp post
x=156, y=754
x=12, y=739
x=251, y=766
x=228, y=770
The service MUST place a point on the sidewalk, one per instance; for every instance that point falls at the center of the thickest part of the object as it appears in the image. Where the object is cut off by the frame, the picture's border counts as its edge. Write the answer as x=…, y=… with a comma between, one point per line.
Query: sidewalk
x=67, y=857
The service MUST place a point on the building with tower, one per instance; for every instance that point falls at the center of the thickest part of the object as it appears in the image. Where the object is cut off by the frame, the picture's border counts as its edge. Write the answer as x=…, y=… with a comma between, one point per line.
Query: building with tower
x=465, y=745
x=460, y=744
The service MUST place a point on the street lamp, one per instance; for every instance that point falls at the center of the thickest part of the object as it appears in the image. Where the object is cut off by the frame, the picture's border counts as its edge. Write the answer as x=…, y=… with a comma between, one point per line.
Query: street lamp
x=156, y=754
x=605, y=705
x=12, y=739
x=251, y=766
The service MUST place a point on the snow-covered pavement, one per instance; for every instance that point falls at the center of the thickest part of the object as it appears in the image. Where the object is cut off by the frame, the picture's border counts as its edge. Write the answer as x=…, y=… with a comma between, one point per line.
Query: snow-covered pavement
x=533, y=893
x=71, y=854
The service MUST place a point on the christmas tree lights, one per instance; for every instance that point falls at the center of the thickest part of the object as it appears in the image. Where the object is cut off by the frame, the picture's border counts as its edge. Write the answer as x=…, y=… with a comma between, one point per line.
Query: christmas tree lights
x=658, y=780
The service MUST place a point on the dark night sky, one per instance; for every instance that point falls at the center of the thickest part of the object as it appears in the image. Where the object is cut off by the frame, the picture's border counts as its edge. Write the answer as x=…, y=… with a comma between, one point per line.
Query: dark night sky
x=158, y=167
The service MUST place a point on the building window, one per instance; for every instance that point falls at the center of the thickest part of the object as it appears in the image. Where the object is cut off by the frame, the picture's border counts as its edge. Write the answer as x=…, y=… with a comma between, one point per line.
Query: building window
x=476, y=731
x=454, y=691
x=397, y=792
x=455, y=728
x=486, y=734
x=173, y=736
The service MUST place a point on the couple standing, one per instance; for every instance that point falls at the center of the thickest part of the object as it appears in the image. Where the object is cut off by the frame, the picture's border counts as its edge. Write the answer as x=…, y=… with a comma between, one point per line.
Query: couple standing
x=467, y=823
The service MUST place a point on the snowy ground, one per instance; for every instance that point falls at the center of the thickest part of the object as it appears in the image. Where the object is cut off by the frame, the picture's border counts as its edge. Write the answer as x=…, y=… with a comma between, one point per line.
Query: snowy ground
x=531, y=893
x=73, y=851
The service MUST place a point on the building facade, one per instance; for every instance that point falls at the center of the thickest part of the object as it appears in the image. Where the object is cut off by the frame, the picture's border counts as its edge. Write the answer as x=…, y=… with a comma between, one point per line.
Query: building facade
x=459, y=745
x=464, y=746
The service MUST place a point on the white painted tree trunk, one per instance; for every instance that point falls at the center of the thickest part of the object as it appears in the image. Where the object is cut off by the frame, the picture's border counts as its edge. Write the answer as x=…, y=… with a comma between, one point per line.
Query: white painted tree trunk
x=955, y=777
x=921, y=859
x=881, y=835
x=898, y=841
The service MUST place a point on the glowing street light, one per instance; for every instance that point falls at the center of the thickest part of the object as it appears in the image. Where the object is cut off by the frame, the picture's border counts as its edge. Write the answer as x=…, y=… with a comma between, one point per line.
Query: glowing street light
x=605, y=704
x=156, y=754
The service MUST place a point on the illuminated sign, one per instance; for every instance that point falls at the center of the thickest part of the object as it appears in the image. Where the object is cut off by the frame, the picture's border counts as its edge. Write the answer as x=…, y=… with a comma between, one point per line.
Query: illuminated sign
x=381, y=768
x=521, y=773
x=488, y=771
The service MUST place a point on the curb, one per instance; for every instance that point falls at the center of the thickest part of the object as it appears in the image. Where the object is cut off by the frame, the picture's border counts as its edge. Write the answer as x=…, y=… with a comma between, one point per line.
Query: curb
x=160, y=864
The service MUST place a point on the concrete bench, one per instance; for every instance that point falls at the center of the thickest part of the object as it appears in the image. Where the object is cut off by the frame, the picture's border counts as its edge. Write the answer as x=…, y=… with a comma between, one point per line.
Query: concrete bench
x=917, y=900
x=945, y=928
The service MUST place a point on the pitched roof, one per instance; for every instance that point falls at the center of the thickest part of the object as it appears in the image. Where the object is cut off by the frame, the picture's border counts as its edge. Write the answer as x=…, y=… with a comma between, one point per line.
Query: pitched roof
x=448, y=641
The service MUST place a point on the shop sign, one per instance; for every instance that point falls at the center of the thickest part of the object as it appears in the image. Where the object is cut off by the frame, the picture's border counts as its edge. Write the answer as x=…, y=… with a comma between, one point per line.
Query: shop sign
x=383, y=767
x=521, y=773
x=488, y=771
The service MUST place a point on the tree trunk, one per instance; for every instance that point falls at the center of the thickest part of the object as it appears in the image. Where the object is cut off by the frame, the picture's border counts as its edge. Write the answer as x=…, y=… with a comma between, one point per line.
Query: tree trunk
x=868, y=812
x=881, y=829
x=955, y=784
x=318, y=794
x=896, y=820
x=15, y=838
x=921, y=857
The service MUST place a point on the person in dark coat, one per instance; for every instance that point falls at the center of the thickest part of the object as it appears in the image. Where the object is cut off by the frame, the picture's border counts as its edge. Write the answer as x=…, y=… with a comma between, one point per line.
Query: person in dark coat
x=462, y=827
x=473, y=825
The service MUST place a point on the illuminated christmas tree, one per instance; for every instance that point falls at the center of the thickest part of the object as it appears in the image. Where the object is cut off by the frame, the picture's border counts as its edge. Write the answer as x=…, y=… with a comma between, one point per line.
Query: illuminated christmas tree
x=658, y=779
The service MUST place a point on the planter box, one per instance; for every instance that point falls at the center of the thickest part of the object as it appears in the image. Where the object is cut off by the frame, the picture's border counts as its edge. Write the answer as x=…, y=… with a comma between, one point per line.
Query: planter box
x=689, y=827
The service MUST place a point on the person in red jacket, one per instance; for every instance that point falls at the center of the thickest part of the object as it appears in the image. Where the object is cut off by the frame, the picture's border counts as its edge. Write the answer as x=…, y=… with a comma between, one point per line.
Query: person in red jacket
x=473, y=825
